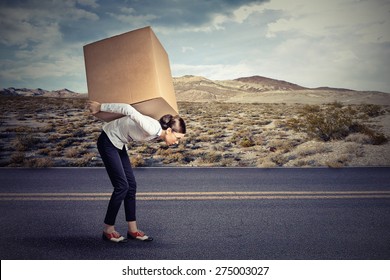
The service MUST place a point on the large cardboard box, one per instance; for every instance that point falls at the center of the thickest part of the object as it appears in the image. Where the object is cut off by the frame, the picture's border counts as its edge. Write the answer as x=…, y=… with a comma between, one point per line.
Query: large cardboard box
x=131, y=68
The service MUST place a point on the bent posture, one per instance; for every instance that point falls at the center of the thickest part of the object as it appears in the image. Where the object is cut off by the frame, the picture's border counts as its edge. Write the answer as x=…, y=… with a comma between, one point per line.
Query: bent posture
x=112, y=146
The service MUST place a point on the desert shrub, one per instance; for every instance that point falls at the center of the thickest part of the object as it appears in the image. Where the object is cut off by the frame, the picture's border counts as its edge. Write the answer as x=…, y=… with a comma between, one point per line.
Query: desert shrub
x=330, y=125
x=226, y=162
x=336, y=104
x=334, y=122
x=266, y=163
x=164, y=151
x=279, y=159
x=23, y=129
x=72, y=152
x=54, y=137
x=244, y=138
x=146, y=150
x=48, y=128
x=55, y=153
x=341, y=161
x=17, y=158
x=319, y=148
x=89, y=156
x=25, y=142
x=205, y=138
x=85, y=160
x=212, y=157
x=79, y=133
x=65, y=143
x=137, y=161
x=173, y=158
x=247, y=142
x=40, y=162
x=371, y=110
x=308, y=109
x=376, y=138
x=219, y=147
x=295, y=124
x=354, y=149
x=283, y=145
x=45, y=151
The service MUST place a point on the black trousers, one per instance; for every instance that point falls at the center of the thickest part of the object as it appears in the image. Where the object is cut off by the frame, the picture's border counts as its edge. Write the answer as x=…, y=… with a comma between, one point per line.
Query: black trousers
x=119, y=170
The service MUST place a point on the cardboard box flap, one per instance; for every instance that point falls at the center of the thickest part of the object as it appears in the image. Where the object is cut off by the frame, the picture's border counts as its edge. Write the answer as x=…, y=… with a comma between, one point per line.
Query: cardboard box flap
x=155, y=108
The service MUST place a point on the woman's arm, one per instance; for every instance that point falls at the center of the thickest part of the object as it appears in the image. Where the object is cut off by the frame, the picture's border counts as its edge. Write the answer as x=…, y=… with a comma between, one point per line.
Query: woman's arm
x=148, y=124
x=120, y=108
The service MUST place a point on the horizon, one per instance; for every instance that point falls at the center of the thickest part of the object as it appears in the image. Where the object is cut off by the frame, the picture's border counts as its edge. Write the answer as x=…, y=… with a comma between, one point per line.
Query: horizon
x=189, y=75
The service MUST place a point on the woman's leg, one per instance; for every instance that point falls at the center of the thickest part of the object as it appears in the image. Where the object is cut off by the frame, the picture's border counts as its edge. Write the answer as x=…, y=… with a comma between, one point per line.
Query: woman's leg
x=130, y=201
x=113, y=163
x=130, y=198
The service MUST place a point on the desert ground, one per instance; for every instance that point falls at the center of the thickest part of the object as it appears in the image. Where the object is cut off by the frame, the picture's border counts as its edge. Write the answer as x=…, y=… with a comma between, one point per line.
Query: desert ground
x=54, y=132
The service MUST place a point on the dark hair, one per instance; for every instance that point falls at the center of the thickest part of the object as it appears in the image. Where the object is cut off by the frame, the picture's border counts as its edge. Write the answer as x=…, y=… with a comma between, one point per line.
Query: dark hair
x=176, y=123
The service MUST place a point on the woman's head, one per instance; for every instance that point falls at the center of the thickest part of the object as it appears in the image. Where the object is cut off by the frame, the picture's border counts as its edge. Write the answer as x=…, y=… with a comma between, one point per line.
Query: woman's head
x=173, y=127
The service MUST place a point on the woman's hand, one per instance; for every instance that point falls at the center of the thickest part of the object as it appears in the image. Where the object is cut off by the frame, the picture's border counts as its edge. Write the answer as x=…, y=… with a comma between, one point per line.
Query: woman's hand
x=94, y=107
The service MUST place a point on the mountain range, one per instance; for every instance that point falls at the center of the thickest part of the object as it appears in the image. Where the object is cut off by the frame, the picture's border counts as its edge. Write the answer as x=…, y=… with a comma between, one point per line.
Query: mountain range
x=255, y=89
x=64, y=93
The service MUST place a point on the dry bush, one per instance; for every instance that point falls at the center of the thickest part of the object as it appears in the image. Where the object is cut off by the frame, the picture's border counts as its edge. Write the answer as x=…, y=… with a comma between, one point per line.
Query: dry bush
x=354, y=149
x=78, y=133
x=340, y=161
x=25, y=142
x=371, y=110
x=137, y=161
x=376, y=138
x=279, y=159
x=17, y=158
x=318, y=148
x=44, y=151
x=283, y=145
x=210, y=158
x=173, y=158
x=40, y=162
x=85, y=160
x=244, y=138
x=72, y=152
x=334, y=122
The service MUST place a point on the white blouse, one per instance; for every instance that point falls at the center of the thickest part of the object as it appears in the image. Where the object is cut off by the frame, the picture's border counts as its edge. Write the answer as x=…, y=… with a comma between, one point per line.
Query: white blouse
x=132, y=127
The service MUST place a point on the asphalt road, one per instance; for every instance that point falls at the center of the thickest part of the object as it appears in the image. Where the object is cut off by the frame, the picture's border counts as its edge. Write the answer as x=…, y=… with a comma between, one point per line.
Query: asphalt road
x=200, y=213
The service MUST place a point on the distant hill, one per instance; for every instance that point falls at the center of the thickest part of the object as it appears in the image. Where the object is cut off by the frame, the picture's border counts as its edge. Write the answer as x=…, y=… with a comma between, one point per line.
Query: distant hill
x=62, y=93
x=255, y=89
x=269, y=84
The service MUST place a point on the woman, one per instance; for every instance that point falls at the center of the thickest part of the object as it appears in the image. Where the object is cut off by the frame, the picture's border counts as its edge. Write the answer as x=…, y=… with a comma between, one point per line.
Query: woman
x=113, y=150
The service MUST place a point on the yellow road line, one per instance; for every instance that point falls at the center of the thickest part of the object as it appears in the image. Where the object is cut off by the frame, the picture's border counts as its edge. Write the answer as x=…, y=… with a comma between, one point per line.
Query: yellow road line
x=199, y=195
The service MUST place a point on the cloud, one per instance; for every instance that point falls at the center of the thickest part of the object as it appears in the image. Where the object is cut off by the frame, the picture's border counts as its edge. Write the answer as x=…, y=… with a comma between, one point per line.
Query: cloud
x=23, y=24
x=335, y=43
x=187, y=49
x=88, y=3
x=366, y=20
x=180, y=16
x=130, y=16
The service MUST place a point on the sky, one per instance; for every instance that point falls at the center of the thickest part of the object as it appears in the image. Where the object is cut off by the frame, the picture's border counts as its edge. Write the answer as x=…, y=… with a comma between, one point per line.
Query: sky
x=313, y=43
